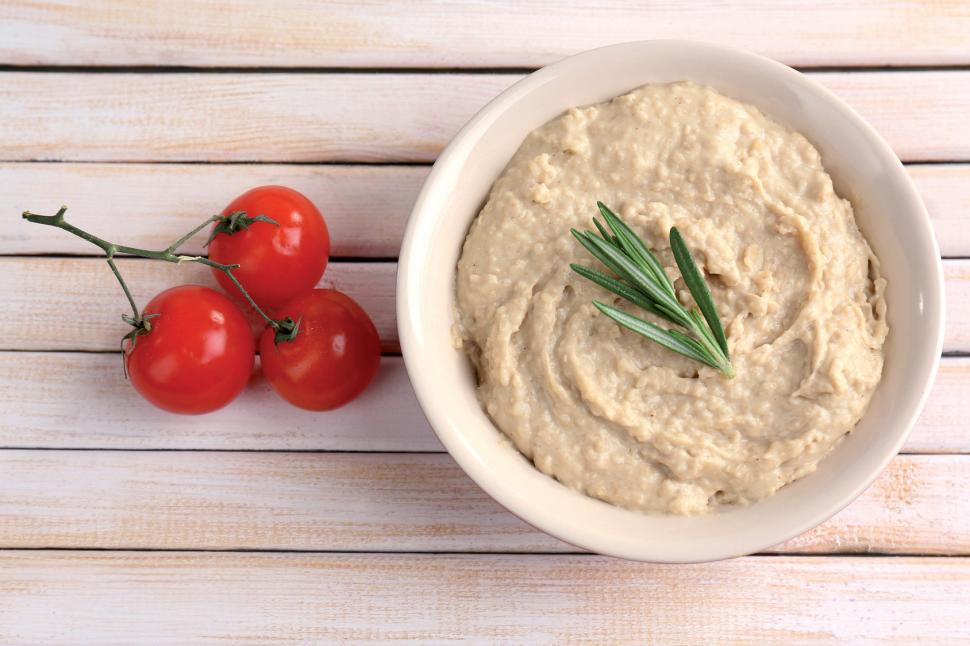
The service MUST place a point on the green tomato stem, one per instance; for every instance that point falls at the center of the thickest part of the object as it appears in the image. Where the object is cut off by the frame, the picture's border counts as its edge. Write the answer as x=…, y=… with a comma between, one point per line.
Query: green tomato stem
x=124, y=288
x=168, y=255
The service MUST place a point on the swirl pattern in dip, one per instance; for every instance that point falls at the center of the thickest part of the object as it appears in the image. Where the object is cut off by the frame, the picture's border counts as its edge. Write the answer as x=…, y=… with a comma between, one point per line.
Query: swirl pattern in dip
x=615, y=416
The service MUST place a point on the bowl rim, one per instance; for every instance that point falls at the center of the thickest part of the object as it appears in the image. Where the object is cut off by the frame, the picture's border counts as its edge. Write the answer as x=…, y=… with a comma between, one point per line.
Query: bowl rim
x=427, y=394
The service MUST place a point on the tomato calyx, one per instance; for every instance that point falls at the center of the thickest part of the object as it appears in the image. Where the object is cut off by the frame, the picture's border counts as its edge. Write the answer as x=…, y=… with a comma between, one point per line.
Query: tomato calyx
x=141, y=325
x=286, y=330
x=235, y=222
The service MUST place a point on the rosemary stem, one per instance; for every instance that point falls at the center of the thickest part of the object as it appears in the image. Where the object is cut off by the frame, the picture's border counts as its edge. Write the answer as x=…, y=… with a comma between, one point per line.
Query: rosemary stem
x=643, y=281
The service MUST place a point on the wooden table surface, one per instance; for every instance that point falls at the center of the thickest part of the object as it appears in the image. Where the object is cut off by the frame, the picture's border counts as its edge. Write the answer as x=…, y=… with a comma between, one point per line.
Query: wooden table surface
x=262, y=523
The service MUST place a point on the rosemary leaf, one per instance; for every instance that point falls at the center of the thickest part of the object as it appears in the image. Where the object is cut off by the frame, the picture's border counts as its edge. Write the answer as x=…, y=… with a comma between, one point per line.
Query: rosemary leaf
x=642, y=280
x=698, y=287
x=701, y=327
x=621, y=289
x=635, y=248
x=654, y=333
x=606, y=234
x=615, y=260
x=694, y=343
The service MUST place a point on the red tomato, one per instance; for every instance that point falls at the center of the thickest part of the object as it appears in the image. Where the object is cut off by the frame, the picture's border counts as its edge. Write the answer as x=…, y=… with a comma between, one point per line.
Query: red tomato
x=276, y=263
x=332, y=359
x=197, y=356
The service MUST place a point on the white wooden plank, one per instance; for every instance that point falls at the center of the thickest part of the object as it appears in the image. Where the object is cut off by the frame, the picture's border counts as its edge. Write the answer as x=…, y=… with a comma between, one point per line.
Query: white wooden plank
x=75, y=304
x=366, y=206
x=945, y=189
x=503, y=33
x=237, y=117
x=911, y=508
x=149, y=205
x=942, y=427
x=364, y=117
x=39, y=394
x=120, y=598
x=200, y=500
x=957, y=283
x=381, y=501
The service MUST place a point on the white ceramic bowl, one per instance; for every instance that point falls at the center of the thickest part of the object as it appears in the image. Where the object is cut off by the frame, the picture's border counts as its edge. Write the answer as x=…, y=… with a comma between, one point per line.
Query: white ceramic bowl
x=864, y=169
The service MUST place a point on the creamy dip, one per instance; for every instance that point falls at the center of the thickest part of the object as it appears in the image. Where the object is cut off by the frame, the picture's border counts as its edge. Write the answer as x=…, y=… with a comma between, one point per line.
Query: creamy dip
x=608, y=412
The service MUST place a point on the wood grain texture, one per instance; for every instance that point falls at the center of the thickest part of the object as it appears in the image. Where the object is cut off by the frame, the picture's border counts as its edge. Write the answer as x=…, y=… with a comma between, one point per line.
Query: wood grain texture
x=59, y=296
x=82, y=291
x=441, y=34
x=238, y=117
x=366, y=207
x=365, y=117
x=257, y=492
x=945, y=190
x=149, y=205
x=939, y=430
x=957, y=284
x=39, y=394
x=65, y=598
x=384, y=502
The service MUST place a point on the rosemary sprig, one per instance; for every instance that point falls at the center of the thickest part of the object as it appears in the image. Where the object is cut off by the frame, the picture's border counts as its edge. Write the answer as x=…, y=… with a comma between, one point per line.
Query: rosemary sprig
x=642, y=280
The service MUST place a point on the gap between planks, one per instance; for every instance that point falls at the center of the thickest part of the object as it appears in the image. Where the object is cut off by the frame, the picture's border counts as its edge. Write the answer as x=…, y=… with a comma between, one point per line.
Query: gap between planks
x=384, y=502
x=366, y=206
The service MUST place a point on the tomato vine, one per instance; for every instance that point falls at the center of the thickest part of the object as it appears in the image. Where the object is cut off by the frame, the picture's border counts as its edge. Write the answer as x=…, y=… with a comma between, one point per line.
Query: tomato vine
x=285, y=329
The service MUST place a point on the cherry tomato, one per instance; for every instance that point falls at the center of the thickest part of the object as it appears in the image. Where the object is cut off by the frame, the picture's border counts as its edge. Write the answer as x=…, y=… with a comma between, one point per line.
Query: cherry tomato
x=198, y=354
x=333, y=357
x=276, y=263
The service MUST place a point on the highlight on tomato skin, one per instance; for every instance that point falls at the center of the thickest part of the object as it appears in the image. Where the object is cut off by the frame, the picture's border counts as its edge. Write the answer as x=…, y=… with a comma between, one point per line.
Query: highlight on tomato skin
x=277, y=261
x=198, y=355
x=333, y=358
